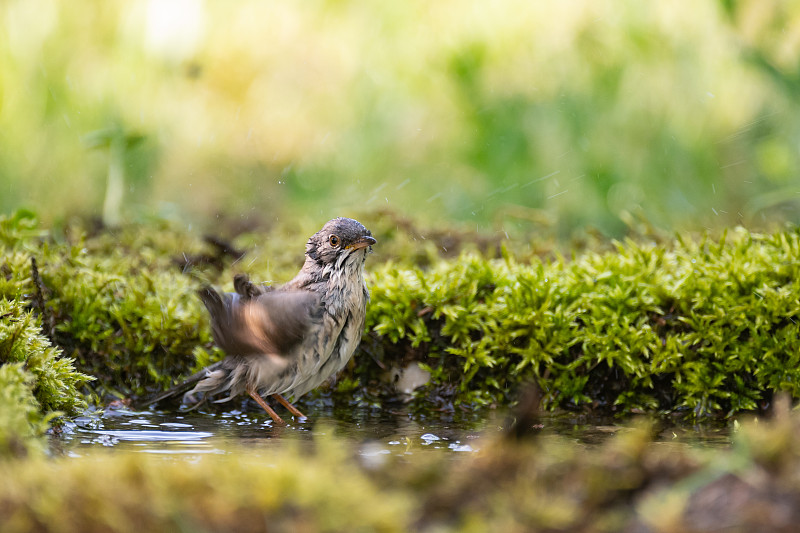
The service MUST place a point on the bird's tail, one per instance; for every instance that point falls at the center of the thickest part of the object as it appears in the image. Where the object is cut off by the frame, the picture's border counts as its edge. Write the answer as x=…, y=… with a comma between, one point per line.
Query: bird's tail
x=181, y=388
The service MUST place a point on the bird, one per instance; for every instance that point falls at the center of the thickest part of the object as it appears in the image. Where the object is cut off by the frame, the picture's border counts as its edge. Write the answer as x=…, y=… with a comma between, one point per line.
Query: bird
x=285, y=341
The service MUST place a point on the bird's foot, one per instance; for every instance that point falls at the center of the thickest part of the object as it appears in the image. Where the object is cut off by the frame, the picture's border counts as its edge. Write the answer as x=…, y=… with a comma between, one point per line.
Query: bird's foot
x=292, y=409
x=264, y=405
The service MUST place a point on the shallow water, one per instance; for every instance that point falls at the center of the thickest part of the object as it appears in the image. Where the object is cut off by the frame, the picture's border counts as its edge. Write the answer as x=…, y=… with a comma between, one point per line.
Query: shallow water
x=372, y=432
x=194, y=433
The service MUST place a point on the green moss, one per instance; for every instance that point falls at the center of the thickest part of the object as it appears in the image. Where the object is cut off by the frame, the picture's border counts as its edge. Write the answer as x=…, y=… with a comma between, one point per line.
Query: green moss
x=56, y=382
x=130, y=323
x=36, y=382
x=21, y=421
x=22, y=338
x=704, y=326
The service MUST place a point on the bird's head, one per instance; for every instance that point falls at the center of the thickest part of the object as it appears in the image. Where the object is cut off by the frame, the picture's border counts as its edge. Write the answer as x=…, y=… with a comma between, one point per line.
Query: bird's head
x=338, y=239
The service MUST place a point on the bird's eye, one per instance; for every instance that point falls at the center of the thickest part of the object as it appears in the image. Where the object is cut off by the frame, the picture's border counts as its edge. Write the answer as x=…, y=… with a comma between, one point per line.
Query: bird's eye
x=334, y=240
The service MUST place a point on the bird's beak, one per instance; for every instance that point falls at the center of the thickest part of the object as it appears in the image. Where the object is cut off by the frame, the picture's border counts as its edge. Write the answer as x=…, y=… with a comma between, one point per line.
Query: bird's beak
x=363, y=242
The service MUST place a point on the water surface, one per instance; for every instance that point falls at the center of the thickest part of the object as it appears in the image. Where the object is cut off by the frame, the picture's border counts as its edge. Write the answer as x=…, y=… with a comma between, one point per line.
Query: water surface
x=372, y=432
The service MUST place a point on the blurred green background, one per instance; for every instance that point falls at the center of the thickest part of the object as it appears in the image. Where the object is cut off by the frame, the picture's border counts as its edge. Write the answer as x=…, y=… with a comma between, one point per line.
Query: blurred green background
x=511, y=115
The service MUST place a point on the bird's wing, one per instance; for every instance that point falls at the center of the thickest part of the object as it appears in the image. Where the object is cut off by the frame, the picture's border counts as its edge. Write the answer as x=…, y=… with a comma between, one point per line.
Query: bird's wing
x=271, y=323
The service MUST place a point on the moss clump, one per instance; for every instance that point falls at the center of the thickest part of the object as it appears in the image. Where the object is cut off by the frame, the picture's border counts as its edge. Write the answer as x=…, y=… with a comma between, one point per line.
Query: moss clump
x=36, y=382
x=129, y=323
x=22, y=311
x=21, y=420
x=238, y=491
x=54, y=378
x=702, y=326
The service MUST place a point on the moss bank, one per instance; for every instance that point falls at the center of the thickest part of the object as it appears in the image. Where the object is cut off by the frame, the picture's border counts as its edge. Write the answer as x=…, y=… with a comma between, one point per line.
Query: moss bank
x=698, y=326
x=703, y=326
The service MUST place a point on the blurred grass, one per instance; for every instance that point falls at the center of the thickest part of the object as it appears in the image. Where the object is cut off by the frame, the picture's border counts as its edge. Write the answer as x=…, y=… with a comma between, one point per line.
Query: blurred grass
x=517, y=116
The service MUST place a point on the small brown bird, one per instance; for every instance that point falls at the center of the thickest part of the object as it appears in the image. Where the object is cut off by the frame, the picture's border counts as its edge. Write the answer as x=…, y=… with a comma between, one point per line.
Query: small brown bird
x=288, y=340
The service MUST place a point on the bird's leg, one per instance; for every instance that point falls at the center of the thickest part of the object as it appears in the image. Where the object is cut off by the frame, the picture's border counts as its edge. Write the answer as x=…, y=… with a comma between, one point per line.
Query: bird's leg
x=284, y=402
x=260, y=401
